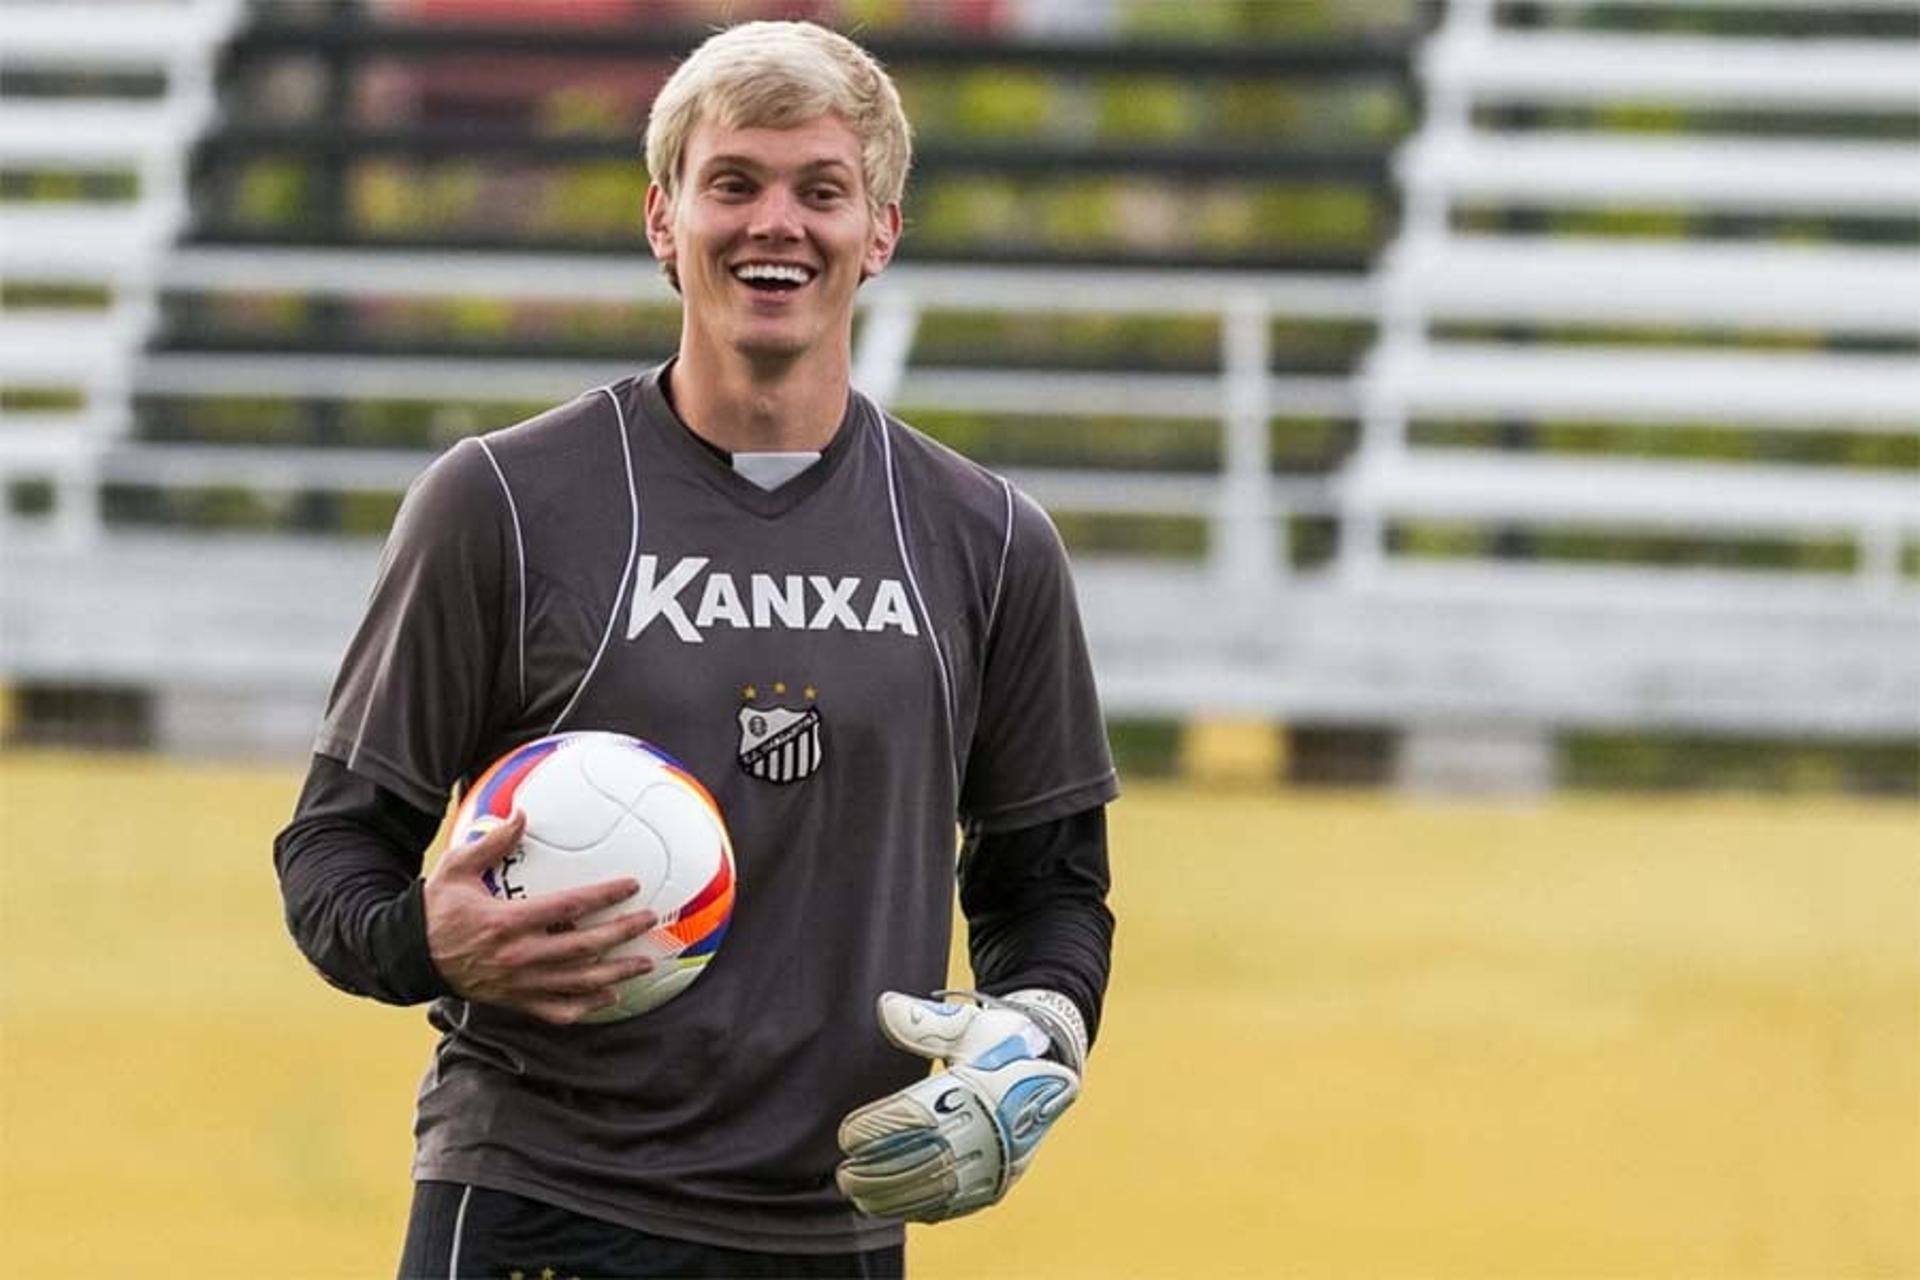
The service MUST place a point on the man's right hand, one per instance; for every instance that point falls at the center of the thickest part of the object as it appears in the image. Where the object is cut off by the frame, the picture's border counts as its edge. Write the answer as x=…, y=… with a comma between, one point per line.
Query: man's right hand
x=527, y=954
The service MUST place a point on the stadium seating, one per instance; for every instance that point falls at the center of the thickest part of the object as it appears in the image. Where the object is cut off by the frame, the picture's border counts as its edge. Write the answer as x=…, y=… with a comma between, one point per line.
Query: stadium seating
x=1429, y=440
x=80, y=357
x=1436, y=275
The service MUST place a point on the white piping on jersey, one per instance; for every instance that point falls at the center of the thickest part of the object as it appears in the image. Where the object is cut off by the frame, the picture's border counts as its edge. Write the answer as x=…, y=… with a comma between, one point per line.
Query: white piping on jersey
x=520, y=553
x=459, y=1228
x=626, y=574
x=360, y=733
x=1006, y=544
x=913, y=584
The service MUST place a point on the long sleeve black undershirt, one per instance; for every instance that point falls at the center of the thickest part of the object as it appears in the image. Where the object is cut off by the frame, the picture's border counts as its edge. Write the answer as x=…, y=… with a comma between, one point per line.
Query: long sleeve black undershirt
x=1036, y=907
x=349, y=867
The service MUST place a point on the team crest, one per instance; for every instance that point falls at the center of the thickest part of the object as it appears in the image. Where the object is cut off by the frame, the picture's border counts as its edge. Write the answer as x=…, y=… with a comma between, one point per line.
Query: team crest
x=779, y=743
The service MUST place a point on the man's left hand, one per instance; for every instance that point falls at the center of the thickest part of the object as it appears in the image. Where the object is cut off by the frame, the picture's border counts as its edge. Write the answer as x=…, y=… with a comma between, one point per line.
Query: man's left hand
x=956, y=1141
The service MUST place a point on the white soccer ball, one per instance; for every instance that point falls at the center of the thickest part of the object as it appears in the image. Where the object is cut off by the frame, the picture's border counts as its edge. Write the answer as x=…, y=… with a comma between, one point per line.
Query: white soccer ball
x=600, y=806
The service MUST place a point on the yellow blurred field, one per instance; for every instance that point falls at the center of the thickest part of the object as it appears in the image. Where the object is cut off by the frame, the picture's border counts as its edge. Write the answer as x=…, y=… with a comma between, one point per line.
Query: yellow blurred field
x=1348, y=1036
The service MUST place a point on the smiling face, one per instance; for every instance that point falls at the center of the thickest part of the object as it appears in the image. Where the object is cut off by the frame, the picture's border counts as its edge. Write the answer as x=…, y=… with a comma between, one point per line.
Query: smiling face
x=770, y=235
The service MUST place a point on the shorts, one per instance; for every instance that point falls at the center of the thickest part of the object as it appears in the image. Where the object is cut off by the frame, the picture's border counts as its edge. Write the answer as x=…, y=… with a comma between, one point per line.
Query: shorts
x=460, y=1232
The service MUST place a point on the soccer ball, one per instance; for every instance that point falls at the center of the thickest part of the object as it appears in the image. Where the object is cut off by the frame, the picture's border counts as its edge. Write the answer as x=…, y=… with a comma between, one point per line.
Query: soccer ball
x=600, y=806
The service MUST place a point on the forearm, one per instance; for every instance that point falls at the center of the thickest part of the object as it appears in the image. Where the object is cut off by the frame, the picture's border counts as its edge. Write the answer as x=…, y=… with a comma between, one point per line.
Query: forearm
x=1036, y=910
x=348, y=865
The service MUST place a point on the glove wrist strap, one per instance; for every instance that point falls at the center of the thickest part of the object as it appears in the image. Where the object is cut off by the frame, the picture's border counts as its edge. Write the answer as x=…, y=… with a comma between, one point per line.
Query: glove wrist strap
x=1059, y=1017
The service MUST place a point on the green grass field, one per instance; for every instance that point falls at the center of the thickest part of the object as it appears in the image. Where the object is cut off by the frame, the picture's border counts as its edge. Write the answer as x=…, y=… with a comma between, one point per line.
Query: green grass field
x=1347, y=1036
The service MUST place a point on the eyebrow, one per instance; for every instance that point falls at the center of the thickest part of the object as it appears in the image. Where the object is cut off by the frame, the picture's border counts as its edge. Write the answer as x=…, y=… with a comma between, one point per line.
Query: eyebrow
x=726, y=161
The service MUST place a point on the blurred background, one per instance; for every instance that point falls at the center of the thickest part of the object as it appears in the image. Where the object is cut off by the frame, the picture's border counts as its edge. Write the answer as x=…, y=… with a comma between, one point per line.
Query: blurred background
x=1488, y=437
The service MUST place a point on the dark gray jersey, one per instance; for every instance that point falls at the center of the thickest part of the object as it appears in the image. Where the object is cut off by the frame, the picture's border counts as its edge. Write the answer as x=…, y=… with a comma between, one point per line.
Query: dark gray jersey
x=850, y=662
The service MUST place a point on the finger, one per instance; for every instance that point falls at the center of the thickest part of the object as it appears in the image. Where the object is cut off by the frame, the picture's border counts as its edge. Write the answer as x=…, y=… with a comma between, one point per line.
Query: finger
x=894, y=1160
x=905, y=1181
x=926, y=1027
x=585, y=980
x=568, y=905
x=887, y=1126
x=475, y=856
x=577, y=946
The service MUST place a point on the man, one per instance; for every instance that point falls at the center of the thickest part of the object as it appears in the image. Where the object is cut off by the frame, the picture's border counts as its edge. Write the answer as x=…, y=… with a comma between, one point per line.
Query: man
x=680, y=556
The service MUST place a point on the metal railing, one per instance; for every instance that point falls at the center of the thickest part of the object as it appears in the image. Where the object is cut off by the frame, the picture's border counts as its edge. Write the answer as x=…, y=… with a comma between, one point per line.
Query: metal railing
x=1379, y=633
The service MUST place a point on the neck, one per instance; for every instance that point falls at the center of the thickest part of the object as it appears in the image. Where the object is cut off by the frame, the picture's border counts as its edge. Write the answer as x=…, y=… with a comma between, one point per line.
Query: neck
x=748, y=406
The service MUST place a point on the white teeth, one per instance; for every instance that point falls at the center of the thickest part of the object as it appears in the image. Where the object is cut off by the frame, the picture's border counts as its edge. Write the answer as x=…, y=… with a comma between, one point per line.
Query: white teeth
x=773, y=271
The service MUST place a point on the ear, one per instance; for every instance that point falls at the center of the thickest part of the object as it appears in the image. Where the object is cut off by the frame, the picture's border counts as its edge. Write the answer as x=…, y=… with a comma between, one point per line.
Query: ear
x=660, y=224
x=884, y=240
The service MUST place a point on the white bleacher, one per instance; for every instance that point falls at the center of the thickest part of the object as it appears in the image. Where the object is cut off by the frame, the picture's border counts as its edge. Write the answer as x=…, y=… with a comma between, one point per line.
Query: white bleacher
x=1377, y=637
x=1472, y=62
x=1436, y=274
x=78, y=136
x=1577, y=170
x=120, y=35
x=1635, y=644
x=58, y=348
x=1667, y=495
x=65, y=244
x=1850, y=288
x=1741, y=388
x=881, y=362
x=1477, y=60
x=1875, y=511
x=117, y=246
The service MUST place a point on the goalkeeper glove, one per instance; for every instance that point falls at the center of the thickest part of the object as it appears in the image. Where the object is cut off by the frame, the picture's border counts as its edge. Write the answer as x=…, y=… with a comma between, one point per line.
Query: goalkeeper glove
x=956, y=1141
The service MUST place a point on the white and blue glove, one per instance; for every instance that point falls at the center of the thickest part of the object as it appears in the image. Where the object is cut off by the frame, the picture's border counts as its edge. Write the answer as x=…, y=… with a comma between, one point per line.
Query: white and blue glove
x=956, y=1141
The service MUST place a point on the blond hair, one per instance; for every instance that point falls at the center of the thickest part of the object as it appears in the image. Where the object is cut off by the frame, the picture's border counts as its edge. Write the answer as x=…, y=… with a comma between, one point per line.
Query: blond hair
x=775, y=75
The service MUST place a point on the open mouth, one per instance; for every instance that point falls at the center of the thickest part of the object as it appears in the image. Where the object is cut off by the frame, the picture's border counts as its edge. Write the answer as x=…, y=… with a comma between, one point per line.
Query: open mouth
x=773, y=277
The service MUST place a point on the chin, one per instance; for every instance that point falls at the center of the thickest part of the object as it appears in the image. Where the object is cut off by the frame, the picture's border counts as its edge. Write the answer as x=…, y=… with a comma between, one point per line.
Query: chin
x=774, y=346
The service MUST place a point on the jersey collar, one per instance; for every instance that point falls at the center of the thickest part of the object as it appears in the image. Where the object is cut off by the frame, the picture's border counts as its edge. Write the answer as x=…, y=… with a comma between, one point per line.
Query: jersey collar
x=715, y=466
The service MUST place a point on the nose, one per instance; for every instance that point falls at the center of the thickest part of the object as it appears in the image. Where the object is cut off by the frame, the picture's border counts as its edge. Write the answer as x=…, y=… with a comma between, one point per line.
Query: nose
x=776, y=214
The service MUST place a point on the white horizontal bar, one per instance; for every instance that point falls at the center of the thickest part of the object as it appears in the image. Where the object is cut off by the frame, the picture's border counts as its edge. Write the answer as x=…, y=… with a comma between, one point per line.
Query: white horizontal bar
x=279, y=468
x=267, y=468
x=1602, y=67
x=36, y=347
x=90, y=134
x=131, y=33
x=376, y=377
x=1673, y=590
x=37, y=444
x=1619, y=172
x=1140, y=395
x=461, y=378
x=416, y=273
x=1119, y=492
x=426, y=273
x=81, y=243
x=1467, y=484
x=1847, y=287
x=1627, y=384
